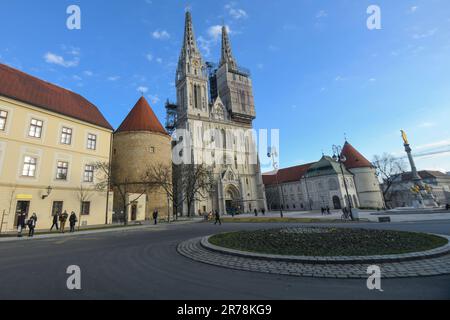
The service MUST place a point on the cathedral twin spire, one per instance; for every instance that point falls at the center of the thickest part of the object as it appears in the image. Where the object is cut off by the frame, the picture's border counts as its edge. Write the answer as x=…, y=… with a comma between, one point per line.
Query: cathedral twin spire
x=190, y=44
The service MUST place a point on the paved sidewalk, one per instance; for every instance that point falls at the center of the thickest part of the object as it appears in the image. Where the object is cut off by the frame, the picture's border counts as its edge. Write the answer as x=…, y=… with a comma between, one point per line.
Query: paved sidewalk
x=56, y=234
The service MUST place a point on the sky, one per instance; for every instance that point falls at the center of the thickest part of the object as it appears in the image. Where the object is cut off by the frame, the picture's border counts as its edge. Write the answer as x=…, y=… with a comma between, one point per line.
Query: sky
x=319, y=73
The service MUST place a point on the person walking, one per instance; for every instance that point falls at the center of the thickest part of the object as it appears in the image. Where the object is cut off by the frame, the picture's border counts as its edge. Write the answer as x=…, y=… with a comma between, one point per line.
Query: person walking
x=155, y=216
x=218, y=218
x=63, y=220
x=73, y=221
x=55, y=221
x=256, y=212
x=328, y=210
x=20, y=224
x=32, y=225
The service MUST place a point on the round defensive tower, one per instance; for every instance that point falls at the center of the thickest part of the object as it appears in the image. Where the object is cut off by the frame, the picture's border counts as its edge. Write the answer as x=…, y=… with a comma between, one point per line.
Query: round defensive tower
x=140, y=143
x=366, y=181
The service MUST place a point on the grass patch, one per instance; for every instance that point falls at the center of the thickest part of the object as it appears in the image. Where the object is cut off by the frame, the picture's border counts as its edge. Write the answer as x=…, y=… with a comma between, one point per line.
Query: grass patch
x=328, y=242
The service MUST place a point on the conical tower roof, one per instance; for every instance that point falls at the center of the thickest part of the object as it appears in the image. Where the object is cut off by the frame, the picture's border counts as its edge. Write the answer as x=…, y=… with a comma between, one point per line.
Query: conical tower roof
x=354, y=158
x=142, y=118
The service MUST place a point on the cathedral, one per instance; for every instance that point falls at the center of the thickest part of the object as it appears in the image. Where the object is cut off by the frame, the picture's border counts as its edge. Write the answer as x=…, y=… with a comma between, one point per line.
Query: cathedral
x=213, y=121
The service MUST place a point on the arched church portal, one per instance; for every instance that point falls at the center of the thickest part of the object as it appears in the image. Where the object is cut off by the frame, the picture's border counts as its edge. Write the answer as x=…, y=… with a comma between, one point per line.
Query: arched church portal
x=232, y=199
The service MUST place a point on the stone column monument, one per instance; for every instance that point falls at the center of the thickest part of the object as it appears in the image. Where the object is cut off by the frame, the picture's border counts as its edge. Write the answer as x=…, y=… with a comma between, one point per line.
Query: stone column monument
x=423, y=197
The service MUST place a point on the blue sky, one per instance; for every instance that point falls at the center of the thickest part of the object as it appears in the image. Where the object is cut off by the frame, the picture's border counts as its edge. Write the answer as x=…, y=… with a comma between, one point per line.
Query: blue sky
x=318, y=72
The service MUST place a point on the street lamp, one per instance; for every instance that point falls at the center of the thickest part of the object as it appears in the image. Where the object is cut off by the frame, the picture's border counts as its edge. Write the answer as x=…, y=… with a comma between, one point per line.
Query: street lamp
x=340, y=158
x=49, y=191
x=273, y=154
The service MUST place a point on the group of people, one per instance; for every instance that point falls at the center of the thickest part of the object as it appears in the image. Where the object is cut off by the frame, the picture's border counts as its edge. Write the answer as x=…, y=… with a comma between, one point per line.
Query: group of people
x=23, y=223
x=209, y=216
x=326, y=210
x=62, y=219
x=31, y=223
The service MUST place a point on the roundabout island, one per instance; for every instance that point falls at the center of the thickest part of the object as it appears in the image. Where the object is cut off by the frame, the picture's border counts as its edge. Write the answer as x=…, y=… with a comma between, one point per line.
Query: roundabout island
x=329, y=252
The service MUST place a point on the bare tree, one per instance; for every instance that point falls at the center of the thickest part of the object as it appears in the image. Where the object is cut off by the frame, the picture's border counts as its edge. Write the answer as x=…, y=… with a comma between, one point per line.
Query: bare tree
x=161, y=176
x=84, y=195
x=196, y=183
x=108, y=181
x=389, y=170
x=11, y=200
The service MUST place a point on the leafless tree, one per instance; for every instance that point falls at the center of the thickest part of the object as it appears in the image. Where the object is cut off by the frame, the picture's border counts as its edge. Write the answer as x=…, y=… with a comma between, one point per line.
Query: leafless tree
x=161, y=176
x=108, y=181
x=83, y=194
x=389, y=170
x=197, y=183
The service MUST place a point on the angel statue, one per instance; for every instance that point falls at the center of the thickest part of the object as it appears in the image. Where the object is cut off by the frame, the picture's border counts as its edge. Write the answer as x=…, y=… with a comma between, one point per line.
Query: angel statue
x=405, y=137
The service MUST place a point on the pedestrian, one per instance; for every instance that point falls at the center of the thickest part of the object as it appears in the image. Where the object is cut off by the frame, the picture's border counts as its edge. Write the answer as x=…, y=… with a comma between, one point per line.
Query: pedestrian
x=155, y=216
x=328, y=210
x=55, y=221
x=263, y=211
x=63, y=219
x=72, y=221
x=447, y=207
x=32, y=224
x=20, y=224
x=218, y=218
x=256, y=212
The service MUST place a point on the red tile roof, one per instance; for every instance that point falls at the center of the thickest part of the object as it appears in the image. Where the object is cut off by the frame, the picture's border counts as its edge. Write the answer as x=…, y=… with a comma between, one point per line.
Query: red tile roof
x=142, y=118
x=17, y=85
x=287, y=175
x=354, y=158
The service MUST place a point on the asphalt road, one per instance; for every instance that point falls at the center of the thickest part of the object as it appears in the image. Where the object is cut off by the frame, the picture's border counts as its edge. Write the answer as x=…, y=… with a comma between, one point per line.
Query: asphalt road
x=144, y=264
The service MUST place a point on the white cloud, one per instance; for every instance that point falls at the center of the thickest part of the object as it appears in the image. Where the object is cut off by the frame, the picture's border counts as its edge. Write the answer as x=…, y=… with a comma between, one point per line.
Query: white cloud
x=160, y=35
x=88, y=73
x=427, y=125
x=321, y=14
x=215, y=32
x=149, y=57
x=159, y=60
x=427, y=34
x=154, y=99
x=413, y=9
x=437, y=144
x=236, y=13
x=53, y=58
x=142, y=89
x=113, y=78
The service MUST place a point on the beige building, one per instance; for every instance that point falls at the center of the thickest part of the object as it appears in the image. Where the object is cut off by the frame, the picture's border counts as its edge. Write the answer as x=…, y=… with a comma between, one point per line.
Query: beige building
x=49, y=139
x=140, y=143
x=324, y=184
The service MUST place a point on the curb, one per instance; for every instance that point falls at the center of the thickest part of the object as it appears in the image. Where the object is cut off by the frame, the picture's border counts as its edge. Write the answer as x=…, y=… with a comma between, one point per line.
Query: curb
x=89, y=232
x=438, y=252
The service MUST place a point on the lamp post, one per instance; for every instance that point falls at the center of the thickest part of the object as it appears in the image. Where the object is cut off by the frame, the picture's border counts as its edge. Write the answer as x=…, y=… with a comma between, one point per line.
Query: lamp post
x=273, y=154
x=341, y=159
x=49, y=191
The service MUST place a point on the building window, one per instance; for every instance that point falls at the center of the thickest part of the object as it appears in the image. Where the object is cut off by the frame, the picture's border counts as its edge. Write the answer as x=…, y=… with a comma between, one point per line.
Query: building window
x=3, y=117
x=89, y=173
x=152, y=149
x=29, y=167
x=35, y=128
x=62, y=170
x=92, y=142
x=66, y=136
x=85, y=208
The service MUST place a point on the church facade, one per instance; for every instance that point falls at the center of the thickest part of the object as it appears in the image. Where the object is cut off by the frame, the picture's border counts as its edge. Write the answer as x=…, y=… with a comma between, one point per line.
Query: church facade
x=214, y=119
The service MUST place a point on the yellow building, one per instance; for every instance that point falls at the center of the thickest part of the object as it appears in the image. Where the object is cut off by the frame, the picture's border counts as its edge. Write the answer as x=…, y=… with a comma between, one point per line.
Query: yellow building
x=50, y=138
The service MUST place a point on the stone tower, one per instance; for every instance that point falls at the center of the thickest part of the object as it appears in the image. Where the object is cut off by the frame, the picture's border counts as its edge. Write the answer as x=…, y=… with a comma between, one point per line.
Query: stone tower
x=139, y=143
x=366, y=181
x=218, y=127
